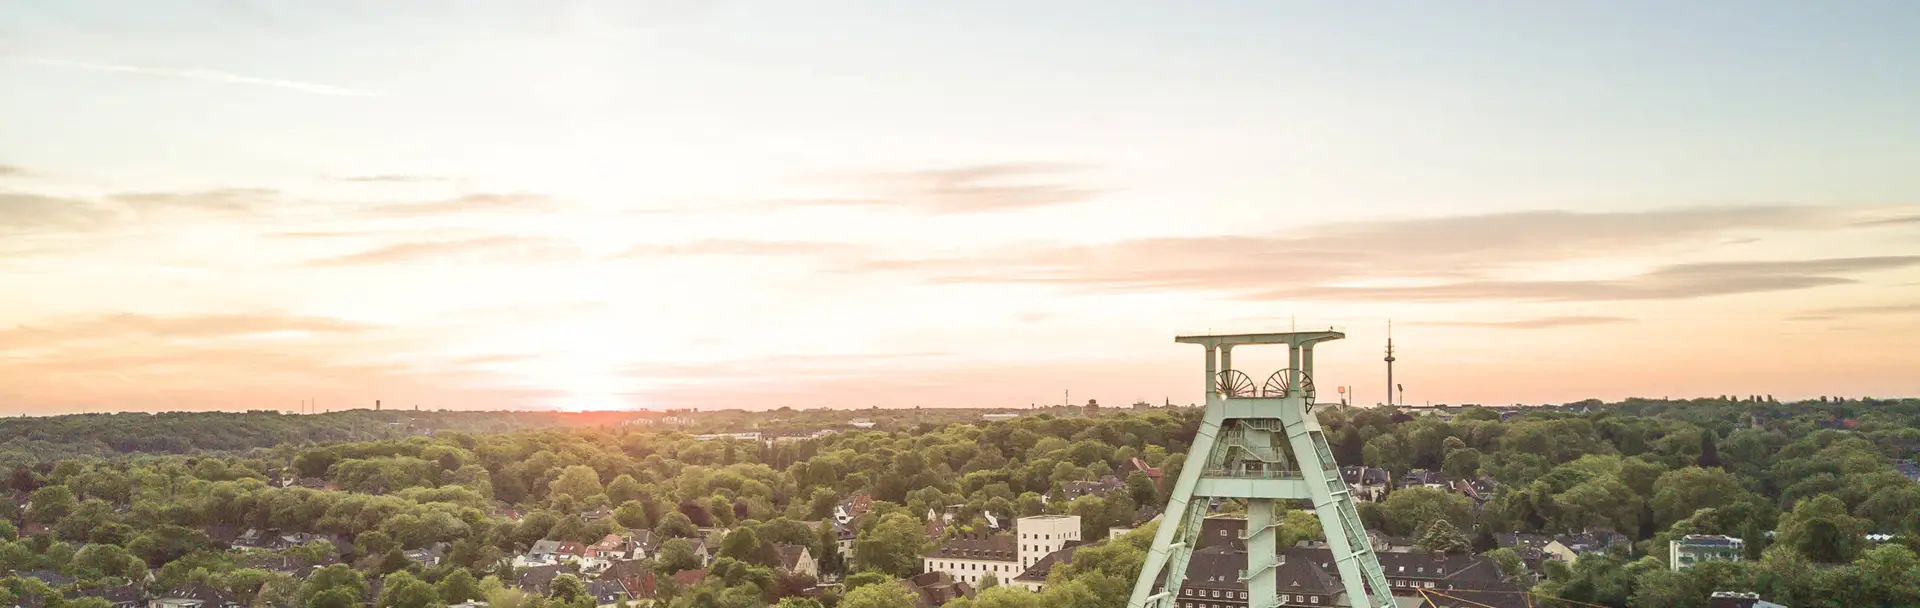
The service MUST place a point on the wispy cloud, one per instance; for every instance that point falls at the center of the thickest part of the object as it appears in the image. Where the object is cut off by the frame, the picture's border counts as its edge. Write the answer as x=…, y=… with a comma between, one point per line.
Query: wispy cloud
x=1825, y=314
x=735, y=247
x=972, y=189
x=1680, y=281
x=140, y=326
x=24, y=213
x=394, y=179
x=222, y=200
x=1539, y=323
x=1462, y=252
x=11, y=170
x=472, y=203
x=494, y=248
x=208, y=76
x=1892, y=221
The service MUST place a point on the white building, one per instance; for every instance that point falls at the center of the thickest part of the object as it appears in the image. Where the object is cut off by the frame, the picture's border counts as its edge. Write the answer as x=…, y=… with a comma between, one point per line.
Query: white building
x=968, y=559
x=1696, y=548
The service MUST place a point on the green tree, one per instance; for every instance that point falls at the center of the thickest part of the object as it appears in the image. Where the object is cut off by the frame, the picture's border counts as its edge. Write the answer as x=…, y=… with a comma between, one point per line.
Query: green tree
x=1679, y=493
x=459, y=586
x=579, y=482
x=1511, y=566
x=675, y=555
x=676, y=525
x=742, y=544
x=1821, y=530
x=625, y=488
x=888, y=595
x=1441, y=536
x=894, y=546
x=1409, y=510
x=567, y=589
x=49, y=504
x=402, y=590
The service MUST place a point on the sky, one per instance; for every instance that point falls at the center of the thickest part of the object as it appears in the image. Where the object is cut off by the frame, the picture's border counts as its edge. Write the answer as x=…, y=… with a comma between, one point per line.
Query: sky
x=682, y=203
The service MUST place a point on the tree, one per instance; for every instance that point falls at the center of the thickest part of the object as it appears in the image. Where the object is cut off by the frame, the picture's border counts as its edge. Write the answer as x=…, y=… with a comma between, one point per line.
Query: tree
x=402, y=590
x=1709, y=453
x=579, y=482
x=335, y=577
x=676, y=525
x=888, y=595
x=567, y=589
x=828, y=549
x=676, y=555
x=1140, y=489
x=50, y=503
x=1442, y=537
x=989, y=581
x=1463, y=463
x=1412, y=509
x=624, y=489
x=1511, y=566
x=742, y=544
x=1821, y=530
x=459, y=586
x=1389, y=452
x=1679, y=493
x=893, y=546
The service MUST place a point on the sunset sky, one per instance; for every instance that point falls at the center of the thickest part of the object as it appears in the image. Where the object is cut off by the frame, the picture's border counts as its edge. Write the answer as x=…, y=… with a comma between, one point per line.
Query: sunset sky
x=674, y=203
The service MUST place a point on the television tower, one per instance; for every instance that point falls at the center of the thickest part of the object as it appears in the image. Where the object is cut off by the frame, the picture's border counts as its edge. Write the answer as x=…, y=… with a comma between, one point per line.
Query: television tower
x=1264, y=445
x=1389, y=362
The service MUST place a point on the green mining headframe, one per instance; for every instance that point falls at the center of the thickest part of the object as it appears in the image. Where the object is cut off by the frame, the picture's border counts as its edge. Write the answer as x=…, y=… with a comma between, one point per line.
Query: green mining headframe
x=1260, y=442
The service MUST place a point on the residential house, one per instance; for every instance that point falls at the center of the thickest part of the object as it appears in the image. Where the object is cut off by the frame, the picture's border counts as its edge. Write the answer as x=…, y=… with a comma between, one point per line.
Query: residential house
x=1034, y=578
x=610, y=547
x=1569, y=547
x=193, y=597
x=1152, y=472
x=553, y=551
x=1366, y=484
x=935, y=589
x=607, y=593
x=430, y=555
x=1532, y=548
x=1075, y=489
x=1423, y=477
x=689, y=578
x=123, y=596
x=797, y=559
x=852, y=507
x=537, y=579
x=1695, y=548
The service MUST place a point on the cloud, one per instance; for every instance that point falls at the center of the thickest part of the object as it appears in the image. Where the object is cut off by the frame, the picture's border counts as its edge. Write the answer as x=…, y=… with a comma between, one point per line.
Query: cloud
x=1891, y=221
x=223, y=200
x=394, y=179
x=471, y=203
x=732, y=247
x=1539, y=323
x=21, y=212
x=1681, y=281
x=1824, y=314
x=973, y=189
x=139, y=326
x=494, y=248
x=209, y=76
x=11, y=171
x=1313, y=261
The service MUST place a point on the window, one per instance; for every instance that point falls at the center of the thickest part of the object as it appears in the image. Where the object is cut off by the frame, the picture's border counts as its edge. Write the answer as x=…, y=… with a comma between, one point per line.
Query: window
x=1316, y=599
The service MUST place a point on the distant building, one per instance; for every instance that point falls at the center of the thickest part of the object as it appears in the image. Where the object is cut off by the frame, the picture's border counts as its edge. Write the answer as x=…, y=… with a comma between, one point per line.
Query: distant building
x=1696, y=548
x=1739, y=599
x=1366, y=484
x=797, y=559
x=1000, y=416
x=969, y=558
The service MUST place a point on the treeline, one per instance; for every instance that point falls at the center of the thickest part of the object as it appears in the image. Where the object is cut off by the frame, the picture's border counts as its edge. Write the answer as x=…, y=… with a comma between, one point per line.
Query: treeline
x=1819, y=476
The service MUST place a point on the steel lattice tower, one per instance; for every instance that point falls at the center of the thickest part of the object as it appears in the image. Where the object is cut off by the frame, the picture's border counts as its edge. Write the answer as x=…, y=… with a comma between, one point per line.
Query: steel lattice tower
x=1251, y=446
